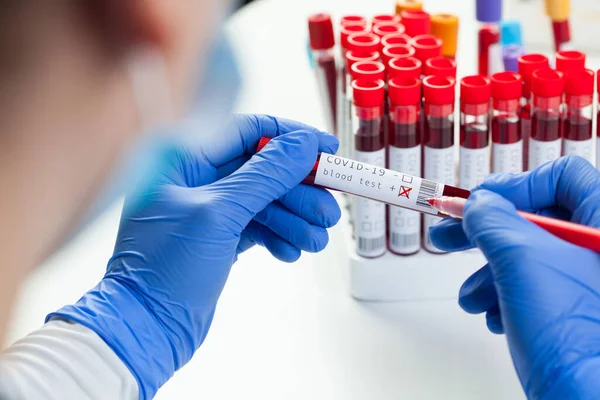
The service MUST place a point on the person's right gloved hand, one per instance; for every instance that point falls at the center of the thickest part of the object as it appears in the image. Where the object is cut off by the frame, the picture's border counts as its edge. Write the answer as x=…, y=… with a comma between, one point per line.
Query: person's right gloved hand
x=172, y=258
x=543, y=292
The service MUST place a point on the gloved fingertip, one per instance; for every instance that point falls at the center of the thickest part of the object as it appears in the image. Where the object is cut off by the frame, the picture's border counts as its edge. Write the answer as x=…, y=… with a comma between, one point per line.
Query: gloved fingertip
x=318, y=241
x=494, y=324
x=328, y=143
x=448, y=235
x=289, y=256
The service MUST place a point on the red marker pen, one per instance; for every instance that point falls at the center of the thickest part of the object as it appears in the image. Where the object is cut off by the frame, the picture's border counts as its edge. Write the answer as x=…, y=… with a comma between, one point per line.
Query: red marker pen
x=507, y=146
x=439, y=158
x=528, y=64
x=404, y=156
x=396, y=51
x=322, y=43
x=547, y=87
x=395, y=38
x=416, y=22
x=578, y=114
x=369, y=219
x=475, y=95
x=404, y=67
x=440, y=66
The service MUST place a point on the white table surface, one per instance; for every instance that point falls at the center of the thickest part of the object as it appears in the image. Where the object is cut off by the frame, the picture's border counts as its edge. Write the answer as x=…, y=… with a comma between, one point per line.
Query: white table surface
x=292, y=331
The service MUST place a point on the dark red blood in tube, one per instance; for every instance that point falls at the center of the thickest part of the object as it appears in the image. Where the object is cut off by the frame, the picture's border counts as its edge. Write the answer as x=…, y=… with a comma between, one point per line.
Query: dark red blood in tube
x=476, y=92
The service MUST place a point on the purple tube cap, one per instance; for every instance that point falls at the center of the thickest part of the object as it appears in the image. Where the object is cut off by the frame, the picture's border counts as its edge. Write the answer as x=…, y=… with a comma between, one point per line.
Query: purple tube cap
x=510, y=55
x=489, y=10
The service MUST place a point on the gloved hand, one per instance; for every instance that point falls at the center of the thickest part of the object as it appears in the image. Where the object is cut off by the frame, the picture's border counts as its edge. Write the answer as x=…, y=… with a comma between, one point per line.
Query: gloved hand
x=542, y=292
x=156, y=302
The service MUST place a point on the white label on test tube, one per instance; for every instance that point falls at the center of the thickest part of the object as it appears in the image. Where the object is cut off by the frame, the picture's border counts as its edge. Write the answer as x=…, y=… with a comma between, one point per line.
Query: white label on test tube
x=439, y=167
x=495, y=59
x=474, y=166
x=542, y=152
x=582, y=148
x=369, y=221
x=507, y=158
x=405, y=225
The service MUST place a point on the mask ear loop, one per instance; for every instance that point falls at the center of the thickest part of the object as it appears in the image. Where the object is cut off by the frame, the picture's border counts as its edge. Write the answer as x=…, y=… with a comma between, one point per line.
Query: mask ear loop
x=152, y=94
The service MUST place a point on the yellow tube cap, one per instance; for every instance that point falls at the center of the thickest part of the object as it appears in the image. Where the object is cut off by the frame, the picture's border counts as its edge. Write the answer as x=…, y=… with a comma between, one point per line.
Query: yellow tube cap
x=445, y=27
x=409, y=5
x=558, y=10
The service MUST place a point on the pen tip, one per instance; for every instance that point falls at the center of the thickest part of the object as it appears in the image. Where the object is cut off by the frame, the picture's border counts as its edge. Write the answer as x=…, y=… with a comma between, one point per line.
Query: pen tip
x=431, y=201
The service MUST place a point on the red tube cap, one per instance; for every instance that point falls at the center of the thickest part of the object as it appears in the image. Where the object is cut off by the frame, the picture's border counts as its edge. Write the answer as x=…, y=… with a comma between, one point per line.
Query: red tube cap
x=547, y=83
x=352, y=57
x=378, y=19
x=385, y=29
x=507, y=86
x=353, y=20
x=404, y=91
x=395, y=38
x=475, y=89
x=416, y=22
x=366, y=42
x=529, y=63
x=440, y=66
x=404, y=67
x=368, y=93
x=579, y=83
x=320, y=29
x=570, y=60
x=439, y=90
x=396, y=51
x=426, y=47
x=350, y=29
x=367, y=70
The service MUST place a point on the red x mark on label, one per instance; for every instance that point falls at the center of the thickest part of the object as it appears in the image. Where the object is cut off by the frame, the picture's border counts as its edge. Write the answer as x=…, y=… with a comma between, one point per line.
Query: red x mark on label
x=405, y=191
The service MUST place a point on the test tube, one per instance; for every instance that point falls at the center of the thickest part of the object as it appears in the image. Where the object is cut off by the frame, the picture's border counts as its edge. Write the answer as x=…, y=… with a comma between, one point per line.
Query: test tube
x=416, y=22
x=404, y=156
x=440, y=66
x=489, y=13
x=426, y=47
x=408, y=5
x=438, y=143
x=528, y=64
x=578, y=114
x=385, y=18
x=395, y=38
x=475, y=96
x=353, y=20
x=445, y=27
x=322, y=43
x=507, y=146
x=570, y=60
x=369, y=215
x=512, y=45
x=345, y=32
x=404, y=67
x=547, y=87
x=387, y=28
x=396, y=51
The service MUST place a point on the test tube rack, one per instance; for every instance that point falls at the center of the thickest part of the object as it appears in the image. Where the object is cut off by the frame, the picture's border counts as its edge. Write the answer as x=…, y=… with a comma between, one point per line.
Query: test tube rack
x=392, y=278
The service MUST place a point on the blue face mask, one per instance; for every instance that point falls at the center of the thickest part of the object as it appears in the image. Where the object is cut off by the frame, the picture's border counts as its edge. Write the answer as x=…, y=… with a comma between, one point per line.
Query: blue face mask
x=209, y=113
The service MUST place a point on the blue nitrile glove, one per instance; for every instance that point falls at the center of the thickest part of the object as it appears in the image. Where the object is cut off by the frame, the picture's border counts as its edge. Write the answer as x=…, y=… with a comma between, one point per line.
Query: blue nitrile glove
x=543, y=292
x=156, y=303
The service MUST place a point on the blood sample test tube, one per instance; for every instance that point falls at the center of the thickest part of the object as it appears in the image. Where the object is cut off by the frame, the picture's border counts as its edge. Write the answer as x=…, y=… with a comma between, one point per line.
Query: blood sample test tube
x=396, y=51
x=404, y=155
x=528, y=64
x=570, y=60
x=426, y=47
x=345, y=32
x=578, y=114
x=545, y=145
x=475, y=96
x=445, y=27
x=438, y=143
x=440, y=66
x=404, y=67
x=507, y=146
x=385, y=18
x=416, y=22
x=388, y=28
x=322, y=43
x=369, y=215
x=489, y=13
x=395, y=38
x=510, y=57
x=408, y=5
x=353, y=20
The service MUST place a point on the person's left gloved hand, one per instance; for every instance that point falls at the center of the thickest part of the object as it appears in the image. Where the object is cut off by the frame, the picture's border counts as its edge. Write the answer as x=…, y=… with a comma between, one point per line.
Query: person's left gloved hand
x=172, y=258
